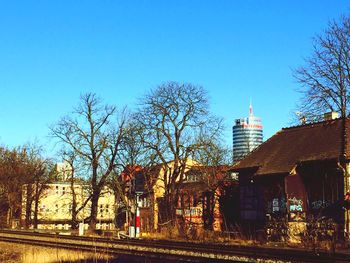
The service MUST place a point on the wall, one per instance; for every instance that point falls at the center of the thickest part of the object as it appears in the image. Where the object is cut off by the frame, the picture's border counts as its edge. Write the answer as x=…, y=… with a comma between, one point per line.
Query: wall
x=55, y=206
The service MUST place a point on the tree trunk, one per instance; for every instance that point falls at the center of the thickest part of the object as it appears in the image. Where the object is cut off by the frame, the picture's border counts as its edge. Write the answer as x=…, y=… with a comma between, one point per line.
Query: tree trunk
x=94, y=207
x=28, y=206
x=8, y=216
x=74, y=221
x=167, y=210
x=36, y=206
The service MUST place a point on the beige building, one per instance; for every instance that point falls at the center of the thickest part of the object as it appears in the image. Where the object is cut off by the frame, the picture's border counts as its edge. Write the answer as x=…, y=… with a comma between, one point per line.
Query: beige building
x=55, y=203
x=55, y=206
x=158, y=189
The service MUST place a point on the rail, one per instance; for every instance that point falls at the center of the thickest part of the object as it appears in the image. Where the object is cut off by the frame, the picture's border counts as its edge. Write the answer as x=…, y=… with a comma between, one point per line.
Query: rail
x=167, y=249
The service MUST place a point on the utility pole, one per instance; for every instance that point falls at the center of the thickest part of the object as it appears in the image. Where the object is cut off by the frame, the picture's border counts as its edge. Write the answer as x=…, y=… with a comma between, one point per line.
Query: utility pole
x=137, y=220
x=138, y=191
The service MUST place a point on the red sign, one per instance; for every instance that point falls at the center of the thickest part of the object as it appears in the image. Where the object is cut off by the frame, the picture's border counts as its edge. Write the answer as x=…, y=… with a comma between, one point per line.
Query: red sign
x=252, y=126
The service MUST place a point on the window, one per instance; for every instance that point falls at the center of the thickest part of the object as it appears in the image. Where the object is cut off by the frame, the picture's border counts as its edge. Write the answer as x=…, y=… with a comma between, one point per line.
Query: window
x=194, y=177
x=57, y=189
x=145, y=202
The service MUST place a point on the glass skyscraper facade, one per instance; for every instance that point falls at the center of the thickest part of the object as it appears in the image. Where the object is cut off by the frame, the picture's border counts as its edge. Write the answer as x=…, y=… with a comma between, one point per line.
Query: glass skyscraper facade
x=247, y=134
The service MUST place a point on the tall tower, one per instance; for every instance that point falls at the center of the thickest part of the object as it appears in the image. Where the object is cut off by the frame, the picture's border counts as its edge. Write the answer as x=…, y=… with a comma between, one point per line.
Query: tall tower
x=247, y=134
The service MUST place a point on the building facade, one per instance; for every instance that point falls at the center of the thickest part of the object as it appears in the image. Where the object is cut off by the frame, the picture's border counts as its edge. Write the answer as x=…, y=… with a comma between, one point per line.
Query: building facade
x=55, y=206
x=204, y=198
x=50, y=205
x=299, y=175
x=247, y=134
x=148, y=201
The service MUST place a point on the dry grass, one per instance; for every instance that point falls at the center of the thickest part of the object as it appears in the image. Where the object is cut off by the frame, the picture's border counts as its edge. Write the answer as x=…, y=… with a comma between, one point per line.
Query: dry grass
x=11, y=253
x=194, y=234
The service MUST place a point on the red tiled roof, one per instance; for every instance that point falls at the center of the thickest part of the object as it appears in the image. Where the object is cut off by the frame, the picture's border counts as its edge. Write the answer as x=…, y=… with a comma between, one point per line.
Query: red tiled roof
x=289, y=146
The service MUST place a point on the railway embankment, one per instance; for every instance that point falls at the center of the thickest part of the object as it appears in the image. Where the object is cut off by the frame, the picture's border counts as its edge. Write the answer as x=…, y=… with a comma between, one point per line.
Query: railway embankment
x=173, y=250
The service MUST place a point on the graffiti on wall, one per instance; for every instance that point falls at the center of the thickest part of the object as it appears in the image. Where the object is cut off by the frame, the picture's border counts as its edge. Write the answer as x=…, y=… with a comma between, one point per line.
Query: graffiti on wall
x=319, y=204
x=295, y=205
x=276, y=205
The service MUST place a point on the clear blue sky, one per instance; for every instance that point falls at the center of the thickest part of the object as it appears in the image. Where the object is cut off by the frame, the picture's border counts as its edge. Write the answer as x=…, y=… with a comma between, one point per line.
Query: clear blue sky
x=52, y=51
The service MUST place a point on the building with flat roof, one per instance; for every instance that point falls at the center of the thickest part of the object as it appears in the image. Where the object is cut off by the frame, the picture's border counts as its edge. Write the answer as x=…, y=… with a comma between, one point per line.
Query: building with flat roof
x=247, y=134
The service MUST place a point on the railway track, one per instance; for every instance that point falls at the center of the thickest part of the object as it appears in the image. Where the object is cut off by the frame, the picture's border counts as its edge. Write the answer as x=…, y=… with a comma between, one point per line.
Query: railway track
x=184, y=251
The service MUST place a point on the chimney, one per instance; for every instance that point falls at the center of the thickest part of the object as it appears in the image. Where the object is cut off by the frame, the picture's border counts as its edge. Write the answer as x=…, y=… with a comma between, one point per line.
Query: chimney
x=331, y=116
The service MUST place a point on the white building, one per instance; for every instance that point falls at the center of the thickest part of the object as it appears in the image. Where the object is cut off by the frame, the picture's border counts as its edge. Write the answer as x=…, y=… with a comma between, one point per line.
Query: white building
x=55, y=206
x=247, y=134
x=55, y=203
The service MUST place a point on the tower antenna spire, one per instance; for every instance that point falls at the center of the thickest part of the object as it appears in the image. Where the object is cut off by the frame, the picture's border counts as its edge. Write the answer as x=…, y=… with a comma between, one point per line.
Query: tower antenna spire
x=250, y=108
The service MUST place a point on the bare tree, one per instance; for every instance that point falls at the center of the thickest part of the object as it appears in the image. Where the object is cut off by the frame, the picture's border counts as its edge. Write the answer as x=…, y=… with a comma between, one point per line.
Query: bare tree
x=325, y=77
x=128, y=161
x=40, y=173
x=13, y=174
x=72, y=159
x=214, y=161
x=23, y=169
x=326, y=85
x=212, y=157
x=173, y=116
x=92, y=135
x=133, y=159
